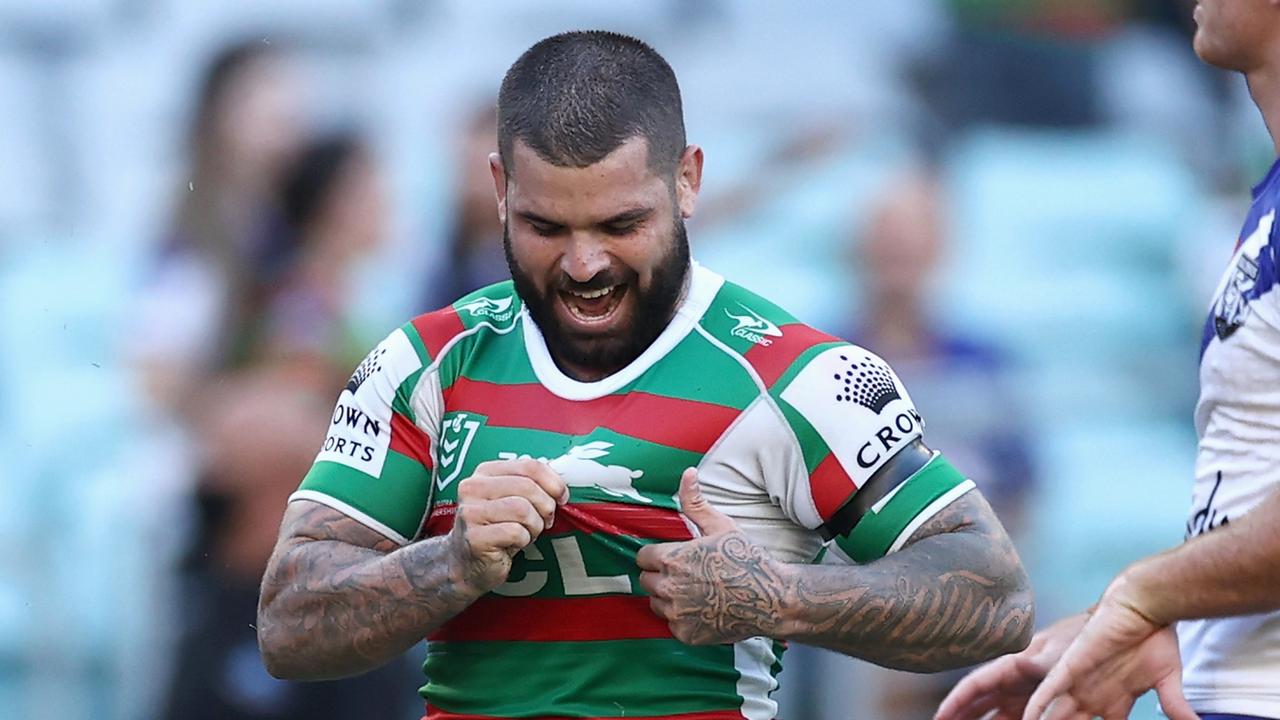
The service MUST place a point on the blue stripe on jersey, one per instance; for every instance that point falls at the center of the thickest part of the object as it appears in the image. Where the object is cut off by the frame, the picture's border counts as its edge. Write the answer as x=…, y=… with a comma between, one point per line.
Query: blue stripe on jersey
x=1252, y=273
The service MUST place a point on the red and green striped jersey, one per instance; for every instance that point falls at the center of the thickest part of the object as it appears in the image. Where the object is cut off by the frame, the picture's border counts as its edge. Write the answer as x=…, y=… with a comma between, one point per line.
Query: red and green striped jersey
x=783, y=422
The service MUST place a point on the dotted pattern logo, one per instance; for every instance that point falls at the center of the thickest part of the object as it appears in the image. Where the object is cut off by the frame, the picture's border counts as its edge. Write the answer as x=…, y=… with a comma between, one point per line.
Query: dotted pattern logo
x=865, y=382
x=367, y=367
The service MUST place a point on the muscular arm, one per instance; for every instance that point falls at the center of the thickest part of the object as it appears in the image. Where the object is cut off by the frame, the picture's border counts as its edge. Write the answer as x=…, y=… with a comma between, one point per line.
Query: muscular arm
x=339, y=599
x=956, y=594
x=1232, y=570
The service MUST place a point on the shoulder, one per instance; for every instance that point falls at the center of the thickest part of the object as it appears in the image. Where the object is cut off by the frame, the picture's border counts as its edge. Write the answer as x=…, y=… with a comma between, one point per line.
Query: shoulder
x=495, y=309
x=767, y=338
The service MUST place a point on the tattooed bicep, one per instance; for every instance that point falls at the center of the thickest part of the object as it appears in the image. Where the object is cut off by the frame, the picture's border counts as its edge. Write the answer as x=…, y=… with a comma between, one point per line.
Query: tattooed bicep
x=306, y=520
x=968, y=513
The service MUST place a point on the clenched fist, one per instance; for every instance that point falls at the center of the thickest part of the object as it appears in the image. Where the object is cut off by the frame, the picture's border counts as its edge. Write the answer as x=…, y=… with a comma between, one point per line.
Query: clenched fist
x=502, y=508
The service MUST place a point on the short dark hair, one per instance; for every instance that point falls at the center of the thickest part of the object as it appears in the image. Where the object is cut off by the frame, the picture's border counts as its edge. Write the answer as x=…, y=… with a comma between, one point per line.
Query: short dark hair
x=573, y=98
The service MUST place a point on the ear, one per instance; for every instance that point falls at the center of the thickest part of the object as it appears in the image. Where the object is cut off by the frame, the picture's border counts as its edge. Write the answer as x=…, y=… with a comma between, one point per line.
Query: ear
x=689, y=180
x=499, y=185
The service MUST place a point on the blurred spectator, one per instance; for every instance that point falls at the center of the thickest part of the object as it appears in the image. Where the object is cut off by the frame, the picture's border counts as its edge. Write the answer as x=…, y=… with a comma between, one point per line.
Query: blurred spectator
x=333, y=203
x=473, y=257
x=222, y=246
x=958, y=382
x=260, y=432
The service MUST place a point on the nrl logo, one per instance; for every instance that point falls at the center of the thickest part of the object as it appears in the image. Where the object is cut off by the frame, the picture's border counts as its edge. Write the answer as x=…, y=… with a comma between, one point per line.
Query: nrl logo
x=753, y=327
x=499, y=309
x=456, y=435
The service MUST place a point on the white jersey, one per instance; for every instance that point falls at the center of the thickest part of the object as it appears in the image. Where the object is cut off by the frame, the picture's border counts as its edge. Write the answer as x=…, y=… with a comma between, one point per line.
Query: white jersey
x=1232, y=665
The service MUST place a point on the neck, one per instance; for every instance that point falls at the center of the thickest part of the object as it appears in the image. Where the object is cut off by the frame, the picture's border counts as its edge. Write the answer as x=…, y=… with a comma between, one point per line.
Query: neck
x=1264, y=86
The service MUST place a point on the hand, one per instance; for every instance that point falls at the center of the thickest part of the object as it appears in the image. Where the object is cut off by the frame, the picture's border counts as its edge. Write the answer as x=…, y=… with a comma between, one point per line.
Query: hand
x=502, y=508
x=718, y=588
x=1118, y=655
x=1006, y=684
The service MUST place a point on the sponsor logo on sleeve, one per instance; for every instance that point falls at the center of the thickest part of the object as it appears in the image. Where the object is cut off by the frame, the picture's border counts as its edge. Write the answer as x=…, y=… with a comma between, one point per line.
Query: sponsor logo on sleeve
x=857, y=405
x=751, y=326
x=1241, y=282
x=360, y=428
x=499, y=309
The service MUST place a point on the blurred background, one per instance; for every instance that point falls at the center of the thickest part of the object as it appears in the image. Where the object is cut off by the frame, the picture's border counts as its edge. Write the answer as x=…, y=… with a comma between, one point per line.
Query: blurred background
x=210, y=210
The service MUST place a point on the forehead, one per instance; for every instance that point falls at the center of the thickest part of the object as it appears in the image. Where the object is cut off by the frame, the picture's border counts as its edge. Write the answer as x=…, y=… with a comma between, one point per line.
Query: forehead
x=621, y=180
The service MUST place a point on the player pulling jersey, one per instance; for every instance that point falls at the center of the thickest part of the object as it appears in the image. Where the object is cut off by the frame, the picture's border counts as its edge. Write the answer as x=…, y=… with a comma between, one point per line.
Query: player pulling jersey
x=784, y=424
x=1232, y=665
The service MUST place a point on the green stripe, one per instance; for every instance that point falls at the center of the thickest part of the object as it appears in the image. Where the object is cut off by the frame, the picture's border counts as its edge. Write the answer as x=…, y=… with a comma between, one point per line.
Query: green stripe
x=610, y=678
x=812, y=446
x=697, y=370
x=397, y=499
x=495, y=358
x=872, y=537
x=661, y=465
x=416, y=340
x=400, y=403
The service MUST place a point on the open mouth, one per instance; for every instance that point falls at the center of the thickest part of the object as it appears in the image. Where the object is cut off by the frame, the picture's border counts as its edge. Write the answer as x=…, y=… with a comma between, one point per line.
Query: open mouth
x=593, y=308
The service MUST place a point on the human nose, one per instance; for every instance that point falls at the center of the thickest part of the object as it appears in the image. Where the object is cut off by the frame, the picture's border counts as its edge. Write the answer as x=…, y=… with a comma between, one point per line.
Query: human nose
x=584, y=258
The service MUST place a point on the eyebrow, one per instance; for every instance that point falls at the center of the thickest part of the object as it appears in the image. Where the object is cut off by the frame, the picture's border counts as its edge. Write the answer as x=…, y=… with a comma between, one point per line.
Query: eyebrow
x=626, y=216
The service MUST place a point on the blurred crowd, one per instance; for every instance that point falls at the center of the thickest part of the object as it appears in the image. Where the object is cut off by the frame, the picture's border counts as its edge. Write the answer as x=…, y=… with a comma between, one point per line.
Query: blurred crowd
x=1012, y=201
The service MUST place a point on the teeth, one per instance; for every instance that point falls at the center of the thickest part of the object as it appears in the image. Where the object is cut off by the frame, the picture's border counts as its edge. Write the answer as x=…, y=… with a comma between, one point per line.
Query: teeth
x=593, y=294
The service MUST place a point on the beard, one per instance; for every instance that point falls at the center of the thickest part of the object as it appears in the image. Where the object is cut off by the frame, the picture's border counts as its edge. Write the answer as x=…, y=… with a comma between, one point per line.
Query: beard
x=614, y=349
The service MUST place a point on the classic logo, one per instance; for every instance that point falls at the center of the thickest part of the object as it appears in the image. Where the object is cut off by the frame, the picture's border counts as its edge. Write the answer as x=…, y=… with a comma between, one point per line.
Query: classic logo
x=753, y=327
x=456, y=434
x=499, y=309
x=865, y=382
x=370, y=365
x=1232, y=305
x=579, y=467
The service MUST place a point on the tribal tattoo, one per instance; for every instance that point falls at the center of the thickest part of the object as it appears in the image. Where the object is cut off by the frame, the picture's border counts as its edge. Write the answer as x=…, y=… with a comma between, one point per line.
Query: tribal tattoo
x=339, y=599
x=955, y=595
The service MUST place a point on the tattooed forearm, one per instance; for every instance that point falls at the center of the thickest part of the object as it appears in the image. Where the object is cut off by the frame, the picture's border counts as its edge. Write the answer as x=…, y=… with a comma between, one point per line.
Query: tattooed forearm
x=955, y=595
x=338, y=599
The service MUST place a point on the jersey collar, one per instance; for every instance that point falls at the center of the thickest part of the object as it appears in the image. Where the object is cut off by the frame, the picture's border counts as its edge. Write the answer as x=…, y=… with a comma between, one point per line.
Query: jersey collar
x=703, y=286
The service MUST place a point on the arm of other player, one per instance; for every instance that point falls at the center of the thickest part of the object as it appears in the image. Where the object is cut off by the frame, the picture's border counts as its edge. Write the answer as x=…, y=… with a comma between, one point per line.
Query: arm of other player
x=954, y=595
x=338, y=599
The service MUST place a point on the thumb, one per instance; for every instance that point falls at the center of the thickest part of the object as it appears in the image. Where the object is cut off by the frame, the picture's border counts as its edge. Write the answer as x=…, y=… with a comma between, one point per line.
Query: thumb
x=1172, y=701
x=694, y=505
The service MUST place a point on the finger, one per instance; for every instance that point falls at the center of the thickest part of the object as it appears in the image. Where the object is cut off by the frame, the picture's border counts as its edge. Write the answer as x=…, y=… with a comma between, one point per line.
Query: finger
x=509, y=536
x=649, y=581
x=492, y=487
x=979, y=683
x=699, y=510
x=976, y=707
x=1063, y=707
x=651, y=557
x=505, y=509
x=539, y=472
x=1053, y=686
x=661, y=608
x=1172, y=701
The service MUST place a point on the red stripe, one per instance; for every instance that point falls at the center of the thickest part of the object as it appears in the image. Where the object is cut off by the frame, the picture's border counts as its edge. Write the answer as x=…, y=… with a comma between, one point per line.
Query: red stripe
x=831, y=486
x=690, y=425
x=494, y=618
x=437, y=328
x=409, y=440
x=435, y=713
x=636, y=521
x=772, y=360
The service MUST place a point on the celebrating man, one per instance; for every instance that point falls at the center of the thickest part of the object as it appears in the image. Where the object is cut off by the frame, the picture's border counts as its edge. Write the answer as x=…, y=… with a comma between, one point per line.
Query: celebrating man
x=599, y=489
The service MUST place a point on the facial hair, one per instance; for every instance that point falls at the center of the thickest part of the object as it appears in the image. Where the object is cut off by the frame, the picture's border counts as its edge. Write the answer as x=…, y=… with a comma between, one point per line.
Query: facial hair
x=607, y=352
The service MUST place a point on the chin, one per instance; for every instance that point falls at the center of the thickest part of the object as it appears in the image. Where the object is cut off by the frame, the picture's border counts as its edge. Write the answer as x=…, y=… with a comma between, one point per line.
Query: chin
x=1215, y=54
